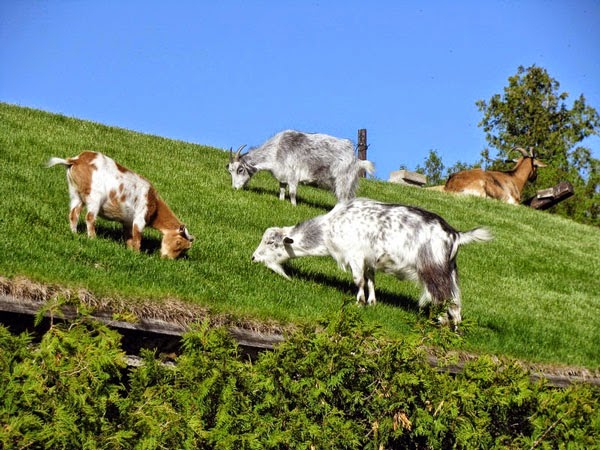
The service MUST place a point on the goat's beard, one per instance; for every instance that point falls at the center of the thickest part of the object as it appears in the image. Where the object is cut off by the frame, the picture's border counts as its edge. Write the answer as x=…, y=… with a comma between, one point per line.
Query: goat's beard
x=278, y=268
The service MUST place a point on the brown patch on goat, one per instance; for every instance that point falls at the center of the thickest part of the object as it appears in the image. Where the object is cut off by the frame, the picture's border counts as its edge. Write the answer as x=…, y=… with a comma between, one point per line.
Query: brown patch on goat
x=80, y=173
x=158, y=214
x=121, y=168
x=111, y=209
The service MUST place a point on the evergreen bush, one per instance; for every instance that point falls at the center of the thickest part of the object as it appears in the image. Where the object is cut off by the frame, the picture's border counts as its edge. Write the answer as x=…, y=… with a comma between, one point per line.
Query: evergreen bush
x=340, y=386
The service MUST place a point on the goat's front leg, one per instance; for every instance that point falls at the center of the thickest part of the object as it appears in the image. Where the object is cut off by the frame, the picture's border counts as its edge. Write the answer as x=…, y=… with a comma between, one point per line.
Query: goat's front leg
x=133, y=235
x=292, y=187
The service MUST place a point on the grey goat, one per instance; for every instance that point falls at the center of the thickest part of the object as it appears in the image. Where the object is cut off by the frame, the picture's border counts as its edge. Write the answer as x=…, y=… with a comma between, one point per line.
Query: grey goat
x=293, y=157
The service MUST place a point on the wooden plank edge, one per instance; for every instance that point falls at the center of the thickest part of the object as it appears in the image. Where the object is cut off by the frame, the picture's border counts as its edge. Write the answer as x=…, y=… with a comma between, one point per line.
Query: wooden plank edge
x=256, y=341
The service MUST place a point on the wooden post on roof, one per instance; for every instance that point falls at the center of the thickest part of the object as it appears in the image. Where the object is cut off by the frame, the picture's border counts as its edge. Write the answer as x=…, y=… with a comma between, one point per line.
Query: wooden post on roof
x=547, y=198
x=362, y=149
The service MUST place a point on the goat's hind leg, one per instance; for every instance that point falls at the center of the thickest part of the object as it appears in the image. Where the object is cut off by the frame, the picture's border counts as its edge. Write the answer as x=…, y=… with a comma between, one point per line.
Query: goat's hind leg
x=292, y=189
x=93, y=208
x=74, y=212
x=452, y=315
x=370, y=278
x=76, y=205
x=359, y=280
x=454, y=308
x=282, y=187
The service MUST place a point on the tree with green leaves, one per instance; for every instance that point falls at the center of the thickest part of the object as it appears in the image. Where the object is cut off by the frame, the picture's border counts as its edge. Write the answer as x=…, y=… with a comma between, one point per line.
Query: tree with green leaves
x=433, y=169
x=532, y=113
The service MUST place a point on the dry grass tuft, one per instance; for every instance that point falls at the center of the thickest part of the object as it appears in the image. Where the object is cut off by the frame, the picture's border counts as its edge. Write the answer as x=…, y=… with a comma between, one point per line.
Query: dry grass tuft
x=34, y=295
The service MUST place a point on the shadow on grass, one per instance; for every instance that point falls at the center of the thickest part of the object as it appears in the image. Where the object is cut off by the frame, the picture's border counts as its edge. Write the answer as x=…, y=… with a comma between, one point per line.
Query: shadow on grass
x=299, y=198
x=383, y=296
x=149, y=246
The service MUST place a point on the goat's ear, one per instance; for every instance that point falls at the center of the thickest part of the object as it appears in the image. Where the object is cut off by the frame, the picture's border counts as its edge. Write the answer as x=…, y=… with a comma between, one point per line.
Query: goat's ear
x=183, y=231
x=538, y=163
x=288, y=240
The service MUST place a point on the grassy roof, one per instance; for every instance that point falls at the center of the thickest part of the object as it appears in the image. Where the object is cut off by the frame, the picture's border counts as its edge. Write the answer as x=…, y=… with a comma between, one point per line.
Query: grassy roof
x=532, y=293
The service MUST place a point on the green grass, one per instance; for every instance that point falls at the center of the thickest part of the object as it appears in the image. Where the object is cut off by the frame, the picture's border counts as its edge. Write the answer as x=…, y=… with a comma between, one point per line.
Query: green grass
x=532, y=293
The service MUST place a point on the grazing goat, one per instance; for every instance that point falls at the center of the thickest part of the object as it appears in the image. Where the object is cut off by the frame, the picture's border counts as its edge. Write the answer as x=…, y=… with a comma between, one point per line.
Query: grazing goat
x=111, y=191
x=369, y=236
x=293, y=157
x=505, y=186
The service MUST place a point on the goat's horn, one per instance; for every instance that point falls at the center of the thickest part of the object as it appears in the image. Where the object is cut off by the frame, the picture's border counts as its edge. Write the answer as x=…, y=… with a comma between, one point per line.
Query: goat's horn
x=230, y=154
x=239, y=150
x=522, y=151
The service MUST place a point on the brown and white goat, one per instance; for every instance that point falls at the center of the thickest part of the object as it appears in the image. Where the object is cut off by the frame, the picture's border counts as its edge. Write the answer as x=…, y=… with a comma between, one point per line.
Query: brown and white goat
x=504, y=186
x=114, y=192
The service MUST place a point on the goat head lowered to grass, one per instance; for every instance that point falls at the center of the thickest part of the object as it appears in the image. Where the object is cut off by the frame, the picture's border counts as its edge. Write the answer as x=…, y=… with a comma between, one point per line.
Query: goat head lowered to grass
x=114, y=192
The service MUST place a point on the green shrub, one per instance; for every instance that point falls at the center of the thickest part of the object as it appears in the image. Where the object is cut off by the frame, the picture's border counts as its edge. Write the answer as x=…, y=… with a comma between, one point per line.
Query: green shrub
x=341, y=386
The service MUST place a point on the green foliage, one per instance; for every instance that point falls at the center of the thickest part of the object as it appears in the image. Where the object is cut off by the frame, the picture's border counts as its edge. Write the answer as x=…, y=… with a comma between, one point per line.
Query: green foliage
x=64, y=391
x=340, y=386
x=532, y=113
x=433, y=169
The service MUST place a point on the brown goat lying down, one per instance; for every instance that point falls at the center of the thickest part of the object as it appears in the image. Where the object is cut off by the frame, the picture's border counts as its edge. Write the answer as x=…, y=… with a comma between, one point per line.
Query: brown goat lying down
x=113, y=192
x=504, y=186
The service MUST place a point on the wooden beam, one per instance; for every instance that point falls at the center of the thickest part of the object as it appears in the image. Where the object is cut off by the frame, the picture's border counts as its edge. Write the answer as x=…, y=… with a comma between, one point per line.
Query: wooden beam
x=144, y=333
x=165, y=338
x=546, y=198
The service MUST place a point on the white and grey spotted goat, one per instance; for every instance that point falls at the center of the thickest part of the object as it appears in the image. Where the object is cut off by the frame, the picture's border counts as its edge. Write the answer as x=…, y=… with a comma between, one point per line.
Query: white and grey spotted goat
x=293, y=157
x=369, y=236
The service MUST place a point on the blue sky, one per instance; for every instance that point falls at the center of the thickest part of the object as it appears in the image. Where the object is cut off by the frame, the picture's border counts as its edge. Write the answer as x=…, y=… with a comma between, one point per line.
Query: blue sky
x=226, y=73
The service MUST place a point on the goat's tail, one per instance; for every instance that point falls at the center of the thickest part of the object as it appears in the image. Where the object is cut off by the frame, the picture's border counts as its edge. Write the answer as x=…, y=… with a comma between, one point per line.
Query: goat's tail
x=475, y=235
x=366, y=165
x=466, y=237
x=54, y=161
